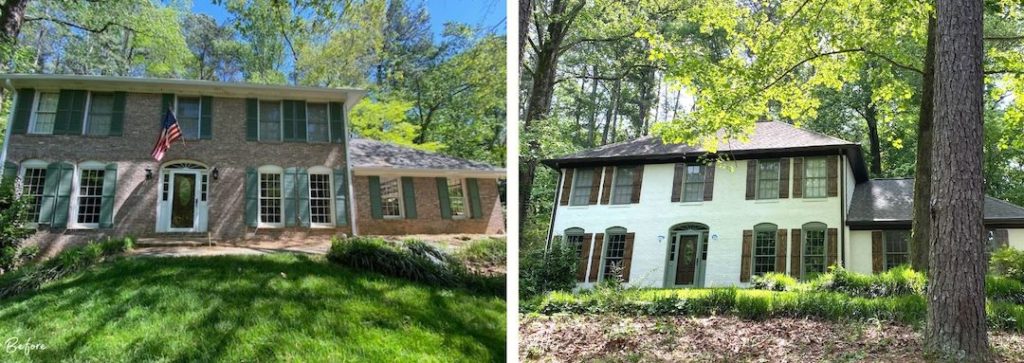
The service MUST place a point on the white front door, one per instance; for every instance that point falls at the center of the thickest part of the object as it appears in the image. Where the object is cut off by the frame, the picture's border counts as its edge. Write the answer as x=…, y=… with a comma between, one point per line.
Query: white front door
x=183, y=202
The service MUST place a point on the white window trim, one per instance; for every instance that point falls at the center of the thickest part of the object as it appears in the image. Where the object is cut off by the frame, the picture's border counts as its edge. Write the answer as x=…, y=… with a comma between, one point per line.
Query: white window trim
x=259, y=120
x=35, y=110
x=757, y=180
x=32, y=164
x=775, y=244
x=199, y=127
x=268, y=169
x=823, y=228
x=608, y=233
x=824, y=168
x=401, y=198
x=686, y=180
x=327, y=108
x=466, y=205
x=320, y=170
x=574, y=182
x=76, y=184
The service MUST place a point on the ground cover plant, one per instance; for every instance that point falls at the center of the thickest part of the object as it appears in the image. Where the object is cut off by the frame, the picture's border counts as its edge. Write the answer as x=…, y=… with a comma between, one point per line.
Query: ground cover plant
x=279, y=307
x=69, y=261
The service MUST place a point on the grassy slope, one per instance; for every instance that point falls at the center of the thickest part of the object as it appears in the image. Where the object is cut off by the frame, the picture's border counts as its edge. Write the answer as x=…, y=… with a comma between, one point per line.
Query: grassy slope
x=235, y=308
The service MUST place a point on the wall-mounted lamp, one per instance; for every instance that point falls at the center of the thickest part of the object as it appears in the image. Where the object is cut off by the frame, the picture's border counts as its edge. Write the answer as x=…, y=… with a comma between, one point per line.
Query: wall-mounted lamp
x=149, y=174
x=661, y=239
x=216, y=174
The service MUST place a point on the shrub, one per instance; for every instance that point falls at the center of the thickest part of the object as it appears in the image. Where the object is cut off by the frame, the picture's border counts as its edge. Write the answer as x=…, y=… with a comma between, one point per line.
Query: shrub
x=69, y=261
x=1004, y=289
x=543, y=270
x=13, y=217
x=774, y=281
x=1008, y=262
x=490, y=251
x=900, y=280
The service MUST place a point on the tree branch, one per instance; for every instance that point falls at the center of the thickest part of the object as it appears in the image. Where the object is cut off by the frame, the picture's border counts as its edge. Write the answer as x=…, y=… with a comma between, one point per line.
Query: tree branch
x=1004, y=38
x=79, y=26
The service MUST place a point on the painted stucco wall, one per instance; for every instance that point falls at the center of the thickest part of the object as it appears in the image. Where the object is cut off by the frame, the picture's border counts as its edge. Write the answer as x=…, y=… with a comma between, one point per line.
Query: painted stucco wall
x=859, y=258
x=726, y=215
x=1016, y=236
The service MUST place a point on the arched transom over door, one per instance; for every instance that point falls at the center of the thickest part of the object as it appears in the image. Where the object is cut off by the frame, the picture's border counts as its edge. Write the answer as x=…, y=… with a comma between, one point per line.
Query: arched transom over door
x=183, y=200
x=686, y=258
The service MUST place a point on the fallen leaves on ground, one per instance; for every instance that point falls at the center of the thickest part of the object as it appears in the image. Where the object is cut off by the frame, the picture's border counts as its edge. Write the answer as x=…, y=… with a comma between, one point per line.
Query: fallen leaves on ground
x=577, y=338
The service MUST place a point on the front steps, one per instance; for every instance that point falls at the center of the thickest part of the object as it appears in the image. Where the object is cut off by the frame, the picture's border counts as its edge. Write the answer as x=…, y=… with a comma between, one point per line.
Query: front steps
x=176, y=240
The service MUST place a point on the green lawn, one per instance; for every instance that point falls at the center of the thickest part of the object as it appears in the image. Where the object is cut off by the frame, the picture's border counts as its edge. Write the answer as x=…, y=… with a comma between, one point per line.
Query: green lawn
x=249, y=308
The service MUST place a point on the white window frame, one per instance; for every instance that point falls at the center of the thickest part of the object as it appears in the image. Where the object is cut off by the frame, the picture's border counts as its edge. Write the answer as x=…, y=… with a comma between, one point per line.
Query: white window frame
x=320, y=170
x=465, y=198
x=401, y=197
x=76, y=184
x=615, y=185
x=778, y=180
x=686, y=181
x=574, y=183
x=35, y=110
x=32, y=164
x=268, y=169
x=764, y=227
x=259, y=120
x=807, y=178
x=583, y=246
x=199, y=127
x=327, y=108
x=804, y=236
x=608, y=233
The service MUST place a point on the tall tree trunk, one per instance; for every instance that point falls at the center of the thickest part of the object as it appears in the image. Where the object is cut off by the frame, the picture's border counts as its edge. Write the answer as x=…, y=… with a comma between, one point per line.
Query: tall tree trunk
x=592, y=126
x=871, y=116
x=956, y=325
x=609, y=119
x=525, y=15
x=921, y=228
x=12, y=14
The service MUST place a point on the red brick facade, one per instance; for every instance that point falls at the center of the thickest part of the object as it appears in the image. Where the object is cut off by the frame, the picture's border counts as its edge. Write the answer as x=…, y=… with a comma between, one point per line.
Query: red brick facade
x=428, y=212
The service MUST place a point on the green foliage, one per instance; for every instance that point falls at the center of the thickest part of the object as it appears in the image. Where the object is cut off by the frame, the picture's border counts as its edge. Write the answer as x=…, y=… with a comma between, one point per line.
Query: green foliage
x=412, y=260
x=387, y=121
x=485, y=251
x=1006, y=289
x=542, y=270
x=1008, y=262
x=897, y=281
x=13, y=218
x=773, y=281
x=68, y=261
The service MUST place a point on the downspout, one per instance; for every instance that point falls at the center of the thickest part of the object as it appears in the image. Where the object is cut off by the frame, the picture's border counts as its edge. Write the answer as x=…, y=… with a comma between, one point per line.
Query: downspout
x=10, y=122
x=348, y=166
x=554, y=206
x=842, y=207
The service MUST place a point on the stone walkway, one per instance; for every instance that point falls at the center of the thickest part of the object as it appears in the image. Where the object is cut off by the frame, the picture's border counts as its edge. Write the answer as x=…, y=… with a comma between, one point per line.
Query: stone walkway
x=315, y=248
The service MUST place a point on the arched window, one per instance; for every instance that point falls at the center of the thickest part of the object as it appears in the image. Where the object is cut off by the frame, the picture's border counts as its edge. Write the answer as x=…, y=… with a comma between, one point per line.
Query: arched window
x=271, y=196
x=33, y=178
x=321, y=198
x=614, y=250
x=574, y=238
x=814, y=253
x=764, y=248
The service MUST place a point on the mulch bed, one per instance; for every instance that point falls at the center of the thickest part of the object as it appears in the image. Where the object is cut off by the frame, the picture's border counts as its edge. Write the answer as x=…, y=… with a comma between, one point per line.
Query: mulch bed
x=575, y=338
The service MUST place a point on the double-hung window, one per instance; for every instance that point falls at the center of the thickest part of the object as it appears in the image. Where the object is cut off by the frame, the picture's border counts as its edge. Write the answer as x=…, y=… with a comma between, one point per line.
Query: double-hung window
x=574, y=238
x=320, y=199
x=391, y=197
x=101, y=113
x=90, y=196
x=581, y=187
x=615, y=251
x=188, y=116
x=622, y=191
x=457, y=198
x=814, y=178
x=270, y=121
x=764, y=248
x=767, y=179
x=271, y=213
x=896, y=247
x=814, y=249
x=46, y=113
x=33, y=181
x=317, y=128
x=693, y=187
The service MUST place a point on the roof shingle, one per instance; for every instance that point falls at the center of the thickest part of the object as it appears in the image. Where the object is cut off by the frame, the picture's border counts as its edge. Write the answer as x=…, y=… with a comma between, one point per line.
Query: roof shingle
x=366, y=153
x=892, y=200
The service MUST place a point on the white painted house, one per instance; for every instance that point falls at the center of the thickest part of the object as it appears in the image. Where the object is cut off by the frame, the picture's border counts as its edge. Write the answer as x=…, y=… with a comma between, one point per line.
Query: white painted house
x=787, y=200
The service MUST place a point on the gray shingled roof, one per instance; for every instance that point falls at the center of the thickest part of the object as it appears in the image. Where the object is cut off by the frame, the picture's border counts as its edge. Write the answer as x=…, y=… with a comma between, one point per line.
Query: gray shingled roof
x=768, y=135
x=892, y=200
x=366, y=153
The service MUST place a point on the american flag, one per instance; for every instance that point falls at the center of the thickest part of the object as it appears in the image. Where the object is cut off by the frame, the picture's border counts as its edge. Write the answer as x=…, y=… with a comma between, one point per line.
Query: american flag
x=169, y=132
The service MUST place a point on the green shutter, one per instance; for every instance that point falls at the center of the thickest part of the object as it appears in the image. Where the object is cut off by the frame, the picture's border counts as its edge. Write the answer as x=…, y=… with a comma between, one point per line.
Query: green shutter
x=409, y=196
x=70, y=112
x=340, y=197
x=375, y=208
x=288, y=184
x=10, y=171
x=117, y=118
x=336, y=122
x=251, y=197
x=288, y=120
x=302, y=178
x=22, y=110
x=252, y=121
x=442, y=198
x=63, y=202
x=49, y=201
x=474, y=198
x=107, y=202
x=206, y=118
x=166, y=103
x=300, y=121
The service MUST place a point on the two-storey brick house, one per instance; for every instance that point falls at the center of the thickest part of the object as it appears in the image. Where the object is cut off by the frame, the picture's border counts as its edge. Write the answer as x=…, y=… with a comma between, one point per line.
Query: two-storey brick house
x=255, y=162
x=787, y=200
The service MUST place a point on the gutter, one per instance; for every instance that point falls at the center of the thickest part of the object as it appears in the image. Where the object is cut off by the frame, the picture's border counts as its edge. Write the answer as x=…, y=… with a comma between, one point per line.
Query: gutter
x=428, y=172
x=351, y=172
x=10, y=122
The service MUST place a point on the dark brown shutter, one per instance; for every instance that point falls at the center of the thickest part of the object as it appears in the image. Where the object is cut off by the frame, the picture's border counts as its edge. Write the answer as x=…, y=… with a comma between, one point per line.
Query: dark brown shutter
x=794, y=265
x=833, y=246
x=832, y=164
x=627, y=256
x=678, y=178
x=780, y=250
x=595, y=257
x=876, y=251
x=638, y=181
x=748, y=237
x=607, y=186
x=783, y=178
x=709, y=181
x=751, y=178
x=581, y=270
x=566, y=187
x=798, y=177
x=1002, y=237
x=595, y=185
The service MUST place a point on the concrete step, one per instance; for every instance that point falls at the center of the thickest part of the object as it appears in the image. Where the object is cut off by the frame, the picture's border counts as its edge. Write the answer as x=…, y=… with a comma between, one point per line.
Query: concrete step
x=175, y=240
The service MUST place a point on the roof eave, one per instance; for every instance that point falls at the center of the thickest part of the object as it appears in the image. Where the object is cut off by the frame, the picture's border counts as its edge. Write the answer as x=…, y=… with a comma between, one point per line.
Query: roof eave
x=905, y=224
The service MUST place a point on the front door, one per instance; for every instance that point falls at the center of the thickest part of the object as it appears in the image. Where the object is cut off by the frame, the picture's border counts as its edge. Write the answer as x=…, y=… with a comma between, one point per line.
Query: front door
x=686, y=267
x=183, y=201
